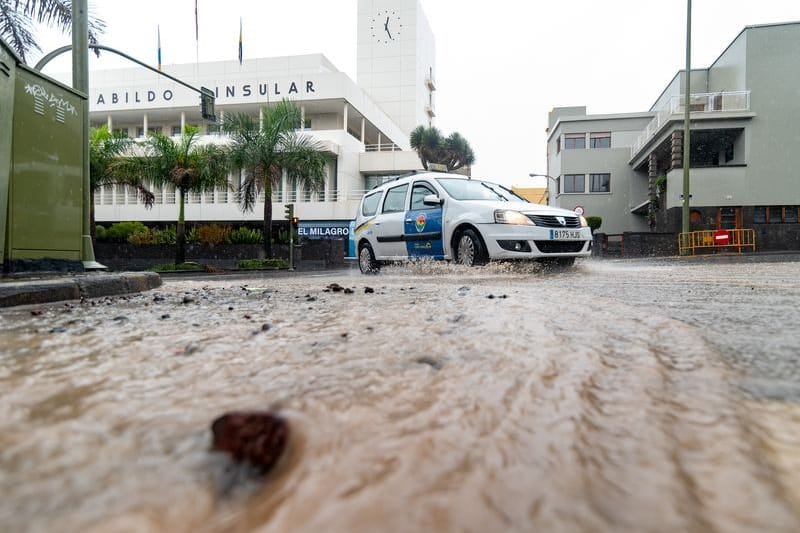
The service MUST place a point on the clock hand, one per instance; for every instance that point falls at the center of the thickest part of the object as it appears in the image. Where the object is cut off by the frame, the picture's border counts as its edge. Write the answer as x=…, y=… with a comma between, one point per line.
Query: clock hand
x=386, y=27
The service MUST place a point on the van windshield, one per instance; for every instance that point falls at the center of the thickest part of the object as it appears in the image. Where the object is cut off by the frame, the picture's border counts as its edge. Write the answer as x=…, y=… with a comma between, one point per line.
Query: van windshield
x=462, y=189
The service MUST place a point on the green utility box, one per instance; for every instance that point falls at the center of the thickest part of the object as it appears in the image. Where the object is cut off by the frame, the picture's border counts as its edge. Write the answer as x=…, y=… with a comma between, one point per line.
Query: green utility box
x=41, y=165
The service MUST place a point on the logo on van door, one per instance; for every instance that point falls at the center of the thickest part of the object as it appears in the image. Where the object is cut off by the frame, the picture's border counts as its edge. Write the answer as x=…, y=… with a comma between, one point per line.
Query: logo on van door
x=420, y=223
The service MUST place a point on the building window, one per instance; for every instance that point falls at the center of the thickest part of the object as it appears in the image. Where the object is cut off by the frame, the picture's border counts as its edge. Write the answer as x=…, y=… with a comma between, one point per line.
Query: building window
x=573, y=141
x=176, y=130
x=790, y=215
x=599, y=182
x=558, y=145
x=121, y=131
x=307, y=124
x=574, y=183
x=600, y=140
x=140, y=131
x=760, y=215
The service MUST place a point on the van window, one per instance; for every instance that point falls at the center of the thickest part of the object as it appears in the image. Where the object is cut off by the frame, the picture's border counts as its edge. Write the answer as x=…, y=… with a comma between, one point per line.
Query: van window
x=418, y=194
x=395, y=199
x=370, y=204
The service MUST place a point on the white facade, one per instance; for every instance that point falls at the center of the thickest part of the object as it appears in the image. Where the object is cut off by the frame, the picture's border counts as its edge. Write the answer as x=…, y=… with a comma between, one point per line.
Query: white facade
x=365, y=126
x=396, y=60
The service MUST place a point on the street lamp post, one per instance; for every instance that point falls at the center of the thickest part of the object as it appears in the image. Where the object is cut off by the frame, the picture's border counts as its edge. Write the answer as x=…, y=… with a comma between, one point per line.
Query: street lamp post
x=551, y=178
x=686, y=115
x=80, y=82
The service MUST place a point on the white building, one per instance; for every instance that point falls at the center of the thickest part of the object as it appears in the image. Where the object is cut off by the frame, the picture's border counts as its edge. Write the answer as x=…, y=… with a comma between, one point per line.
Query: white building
x=364, y=125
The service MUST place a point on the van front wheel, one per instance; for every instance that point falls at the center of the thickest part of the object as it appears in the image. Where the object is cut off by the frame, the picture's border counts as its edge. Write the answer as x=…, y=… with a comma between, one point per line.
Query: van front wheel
x=470, y=250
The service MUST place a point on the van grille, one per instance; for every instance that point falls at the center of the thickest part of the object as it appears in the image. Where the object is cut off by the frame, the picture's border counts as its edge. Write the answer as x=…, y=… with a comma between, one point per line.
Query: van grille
x=549, y=221
x=560, y=247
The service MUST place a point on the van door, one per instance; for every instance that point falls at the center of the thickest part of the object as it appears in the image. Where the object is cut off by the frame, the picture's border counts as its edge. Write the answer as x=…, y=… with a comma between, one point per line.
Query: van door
x=389, y=224
x=423, y=224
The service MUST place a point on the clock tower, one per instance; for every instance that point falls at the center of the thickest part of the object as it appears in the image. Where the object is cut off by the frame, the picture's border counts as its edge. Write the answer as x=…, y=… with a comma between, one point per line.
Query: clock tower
x=396, y=60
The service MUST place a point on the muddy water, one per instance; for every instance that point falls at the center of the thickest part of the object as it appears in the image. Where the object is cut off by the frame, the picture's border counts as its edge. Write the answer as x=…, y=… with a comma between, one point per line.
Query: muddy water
x=497, y=399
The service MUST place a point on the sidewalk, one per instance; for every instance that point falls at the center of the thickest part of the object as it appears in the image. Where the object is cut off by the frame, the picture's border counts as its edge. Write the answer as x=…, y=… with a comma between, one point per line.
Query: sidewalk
x=41, y=288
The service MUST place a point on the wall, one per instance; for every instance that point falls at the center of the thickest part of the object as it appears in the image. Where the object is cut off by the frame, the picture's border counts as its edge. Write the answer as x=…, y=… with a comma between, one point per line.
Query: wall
x=773, y=76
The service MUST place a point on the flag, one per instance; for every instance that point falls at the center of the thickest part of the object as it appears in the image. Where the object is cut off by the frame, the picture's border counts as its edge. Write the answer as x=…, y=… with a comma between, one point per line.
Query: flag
x=196, y=26
x=240, y=41
x=159, y=47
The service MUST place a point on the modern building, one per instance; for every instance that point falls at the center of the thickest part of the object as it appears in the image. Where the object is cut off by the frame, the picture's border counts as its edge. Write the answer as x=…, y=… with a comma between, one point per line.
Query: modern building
x=365, y=126
x=743, y=148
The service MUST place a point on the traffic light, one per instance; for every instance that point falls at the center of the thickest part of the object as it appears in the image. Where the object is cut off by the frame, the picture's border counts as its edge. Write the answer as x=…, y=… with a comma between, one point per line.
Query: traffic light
x=207, y=104
x=289, y=212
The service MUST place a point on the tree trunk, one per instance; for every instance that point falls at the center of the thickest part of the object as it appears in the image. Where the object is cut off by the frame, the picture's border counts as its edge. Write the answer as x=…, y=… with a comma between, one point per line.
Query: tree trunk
x=180, y=256
x=267, y=229
x=92, y=223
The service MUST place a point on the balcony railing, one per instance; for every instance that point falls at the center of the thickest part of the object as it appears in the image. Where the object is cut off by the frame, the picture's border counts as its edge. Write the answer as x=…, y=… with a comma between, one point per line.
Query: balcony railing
x=122, y=195
x=719, y=102
x=384, y=147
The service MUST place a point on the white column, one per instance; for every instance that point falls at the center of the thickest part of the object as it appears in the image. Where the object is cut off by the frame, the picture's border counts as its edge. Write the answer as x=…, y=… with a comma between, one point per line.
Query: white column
x=346, y=106
x=110, y=123
x=144, y=123
x=379, y=141
x=183, y=121
x=363, y=128
x=302, y=117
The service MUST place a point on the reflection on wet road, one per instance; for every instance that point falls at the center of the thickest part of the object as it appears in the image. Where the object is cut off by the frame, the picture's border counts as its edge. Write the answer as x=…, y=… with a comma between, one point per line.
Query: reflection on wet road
x=618, y=397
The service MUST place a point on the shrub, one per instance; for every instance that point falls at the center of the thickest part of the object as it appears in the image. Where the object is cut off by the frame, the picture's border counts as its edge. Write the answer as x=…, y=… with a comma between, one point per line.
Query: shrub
x=262, y=263
x=594, y=223
x=245, y=235
x=192, y=235
x=100, y=232
x=283, y=236
x=140, y=237
x=172, y=267
x=213, y=233
x=167, y=235
x=120, y=231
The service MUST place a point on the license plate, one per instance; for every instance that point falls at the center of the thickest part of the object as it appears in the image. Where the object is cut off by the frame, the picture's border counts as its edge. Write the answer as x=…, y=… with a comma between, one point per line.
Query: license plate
x=565, y=235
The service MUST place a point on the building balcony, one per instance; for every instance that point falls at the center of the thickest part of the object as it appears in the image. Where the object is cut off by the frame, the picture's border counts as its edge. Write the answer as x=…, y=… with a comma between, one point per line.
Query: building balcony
x=701, y=105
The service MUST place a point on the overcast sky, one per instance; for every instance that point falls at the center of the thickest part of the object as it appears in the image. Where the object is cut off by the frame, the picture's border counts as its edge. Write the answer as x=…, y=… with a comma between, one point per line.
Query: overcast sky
x=501, y=65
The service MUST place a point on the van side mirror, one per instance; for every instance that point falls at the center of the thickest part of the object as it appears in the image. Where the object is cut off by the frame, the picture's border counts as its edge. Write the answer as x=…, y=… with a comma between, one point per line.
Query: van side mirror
x=432, y=199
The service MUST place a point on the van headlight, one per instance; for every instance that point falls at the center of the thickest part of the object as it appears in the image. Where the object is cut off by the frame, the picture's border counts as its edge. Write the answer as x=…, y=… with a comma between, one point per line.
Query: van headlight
x=584, y=224
x=506, y=216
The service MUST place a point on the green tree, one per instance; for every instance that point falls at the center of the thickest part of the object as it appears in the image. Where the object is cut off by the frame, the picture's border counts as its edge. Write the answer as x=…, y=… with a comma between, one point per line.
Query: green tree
x=17, y=18
x=104, y=149
x=185, y=165
x=263, y=148
x=453, y=151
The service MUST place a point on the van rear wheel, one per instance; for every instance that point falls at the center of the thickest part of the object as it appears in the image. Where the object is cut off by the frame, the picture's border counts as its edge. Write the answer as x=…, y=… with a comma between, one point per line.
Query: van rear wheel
x=366, y=259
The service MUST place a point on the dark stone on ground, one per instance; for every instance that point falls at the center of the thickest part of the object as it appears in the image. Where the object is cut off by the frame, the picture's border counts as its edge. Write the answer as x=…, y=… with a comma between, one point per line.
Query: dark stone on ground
x=257, y=437
x=368, y=290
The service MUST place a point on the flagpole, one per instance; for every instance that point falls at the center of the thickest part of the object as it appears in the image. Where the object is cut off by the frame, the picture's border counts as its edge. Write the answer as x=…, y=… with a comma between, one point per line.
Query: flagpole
x=196, y=36
x=159, y=47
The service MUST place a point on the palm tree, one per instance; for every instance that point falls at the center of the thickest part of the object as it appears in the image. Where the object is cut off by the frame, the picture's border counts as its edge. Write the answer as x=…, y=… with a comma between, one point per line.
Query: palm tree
x=262, y=149
x=18, y=16
x=184, y=165
x=104, y=149
x=454, y=151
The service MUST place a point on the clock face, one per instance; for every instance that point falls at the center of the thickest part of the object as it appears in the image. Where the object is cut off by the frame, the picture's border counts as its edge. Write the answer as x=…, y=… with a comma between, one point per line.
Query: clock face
x=386, y=26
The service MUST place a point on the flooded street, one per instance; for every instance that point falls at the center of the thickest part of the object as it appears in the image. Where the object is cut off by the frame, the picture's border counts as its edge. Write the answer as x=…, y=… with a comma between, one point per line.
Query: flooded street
x=621, y=396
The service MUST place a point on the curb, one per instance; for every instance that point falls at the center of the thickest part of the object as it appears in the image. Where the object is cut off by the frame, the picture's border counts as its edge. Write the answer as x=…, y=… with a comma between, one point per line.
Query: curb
x=16, y=293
